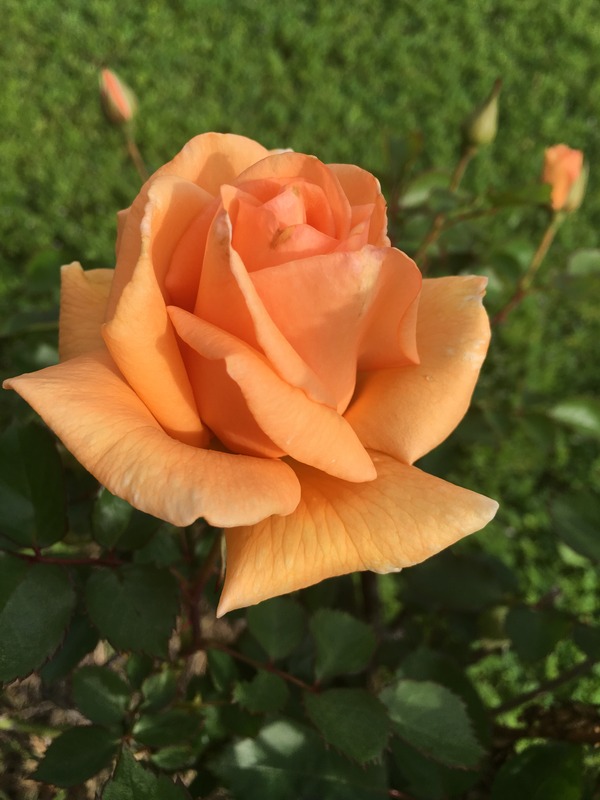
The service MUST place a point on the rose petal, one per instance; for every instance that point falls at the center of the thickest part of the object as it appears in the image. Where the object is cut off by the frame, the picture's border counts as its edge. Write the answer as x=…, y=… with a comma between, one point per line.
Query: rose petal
x=83, y=298
x=562, y=167
x=110, y=431
x=140, y=337
x=208, y=160
x=344, y=307
x=307, y=431
x=228, y=299
x=292, y=165
x=398, y=520
x=364, y=194
x=406, y=412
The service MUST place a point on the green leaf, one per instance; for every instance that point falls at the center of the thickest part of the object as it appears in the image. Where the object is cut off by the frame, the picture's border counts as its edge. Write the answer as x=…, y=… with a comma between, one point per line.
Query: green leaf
x=175, y=757
x=167, y=790
x=138, y=667
x=288, y=760
x=100, y=694
x=265, y=693
x=36, y=603
x=434, y=720
x=222, y=669
x=530, y=195
x=134, y=607
x=535, y=634
x=277, y=625
x=158, y=690
x=352, y=720
x=583, y=263
x=162, y=549
x=426, y=779
x=77, y=755
x=427, y=665
x=166, y=728
x=132, y=781
x=110, y=518
x=459, y=582
x=32, y=487
x=576, y=520
x=542, y=772
x=587, y=639
x=344, y=644
x=115, y=523
x=80, y=640
x=580, y=413
x=419, y=191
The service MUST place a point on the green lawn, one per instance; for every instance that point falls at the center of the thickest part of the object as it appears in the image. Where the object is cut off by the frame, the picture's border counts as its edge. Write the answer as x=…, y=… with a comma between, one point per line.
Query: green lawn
x=322, y=77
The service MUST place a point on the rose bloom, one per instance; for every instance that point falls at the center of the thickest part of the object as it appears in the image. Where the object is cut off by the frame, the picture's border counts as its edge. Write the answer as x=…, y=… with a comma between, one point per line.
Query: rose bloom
x=562, y=168
x=263, y=358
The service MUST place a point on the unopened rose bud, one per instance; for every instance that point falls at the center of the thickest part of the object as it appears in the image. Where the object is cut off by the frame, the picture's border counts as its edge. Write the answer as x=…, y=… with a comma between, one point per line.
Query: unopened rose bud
x=481, y=127
x=567, y=174
x=578, y=189
x=118, y=100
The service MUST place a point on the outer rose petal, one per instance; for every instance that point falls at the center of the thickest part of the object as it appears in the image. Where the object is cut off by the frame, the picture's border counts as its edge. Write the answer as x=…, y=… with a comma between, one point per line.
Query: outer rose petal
x=140, y=337
x=208, y=160
x=110, y=431
x=398, y=520
x=83, y=297
x=309, y=432
x=407, y=412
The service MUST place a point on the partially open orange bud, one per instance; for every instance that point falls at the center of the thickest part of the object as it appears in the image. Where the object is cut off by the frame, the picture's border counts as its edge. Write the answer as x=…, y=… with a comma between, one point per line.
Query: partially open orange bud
x=118, y=100
x=481, y=127
x=567, y=174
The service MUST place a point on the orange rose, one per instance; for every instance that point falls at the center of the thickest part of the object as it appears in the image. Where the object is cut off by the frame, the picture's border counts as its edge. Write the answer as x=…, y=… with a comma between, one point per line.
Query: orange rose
x=262, y=357
x=562, y=170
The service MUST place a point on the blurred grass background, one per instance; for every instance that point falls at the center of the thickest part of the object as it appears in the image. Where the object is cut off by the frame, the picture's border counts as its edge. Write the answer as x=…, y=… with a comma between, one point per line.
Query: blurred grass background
x=323, y=77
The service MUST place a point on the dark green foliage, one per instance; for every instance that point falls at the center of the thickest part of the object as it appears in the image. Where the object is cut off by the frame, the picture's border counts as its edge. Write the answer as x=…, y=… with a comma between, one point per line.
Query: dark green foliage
x=158, y=690
x=460, y=582
x=117, y=525
x=434, y=720
x=541, y=772
x=344, y=644
x=133, y=607
x=101, y=695
x=288, y=760
x=131, y=781
x=266, y=693
x=352, y=720
x=166, y=727
x=80, y=639
x=278, y=625
x=32, y=489
x=577, y=521
x=535, y=633
x=76, y=755
x=36, y=602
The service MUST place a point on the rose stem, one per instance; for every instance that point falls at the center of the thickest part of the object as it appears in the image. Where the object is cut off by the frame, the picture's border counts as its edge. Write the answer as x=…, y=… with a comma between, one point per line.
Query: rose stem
x=195, y=590
x=214, y=645
x=438, y=222
x=569, y=675
x=135, y=155
x=524, y=284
